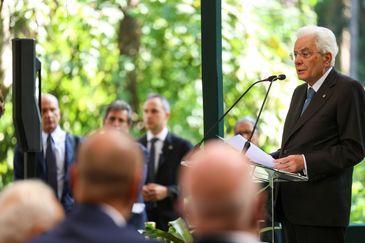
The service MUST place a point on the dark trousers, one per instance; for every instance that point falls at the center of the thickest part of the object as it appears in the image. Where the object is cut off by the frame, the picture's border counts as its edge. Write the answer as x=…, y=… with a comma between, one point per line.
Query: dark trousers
x=294, y=233
x=155, y=214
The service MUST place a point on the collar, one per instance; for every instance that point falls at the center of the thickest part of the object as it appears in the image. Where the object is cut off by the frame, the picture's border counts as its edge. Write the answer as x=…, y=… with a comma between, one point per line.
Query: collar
x=57, y=134
x=240, y=236
x=117, y=218
x=320, y=81
x=161, y=136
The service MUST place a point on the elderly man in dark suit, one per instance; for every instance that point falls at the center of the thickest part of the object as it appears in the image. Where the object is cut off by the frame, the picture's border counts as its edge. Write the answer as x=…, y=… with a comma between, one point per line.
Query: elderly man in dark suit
x=166, y=153
x=106, y=179
x=59, y=152
x=324, y=137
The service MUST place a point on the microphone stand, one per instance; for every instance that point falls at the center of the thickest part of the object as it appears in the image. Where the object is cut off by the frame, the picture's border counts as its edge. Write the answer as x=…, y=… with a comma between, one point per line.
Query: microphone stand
x=270, y=174
x=270, y=79
x=248, y=142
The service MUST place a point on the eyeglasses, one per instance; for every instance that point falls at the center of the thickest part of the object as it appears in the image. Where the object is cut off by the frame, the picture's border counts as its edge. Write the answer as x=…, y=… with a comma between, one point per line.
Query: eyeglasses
x=305, y=54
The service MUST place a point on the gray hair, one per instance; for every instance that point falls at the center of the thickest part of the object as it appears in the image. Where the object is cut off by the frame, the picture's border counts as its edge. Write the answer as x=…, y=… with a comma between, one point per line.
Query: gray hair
x=24, y=205
x=325, y=39
x=119, y=105
x=163, y=99
x=246, y=119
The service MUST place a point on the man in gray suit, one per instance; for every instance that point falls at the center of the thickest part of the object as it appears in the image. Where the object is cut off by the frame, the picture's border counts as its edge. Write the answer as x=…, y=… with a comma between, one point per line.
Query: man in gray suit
x=323, y=138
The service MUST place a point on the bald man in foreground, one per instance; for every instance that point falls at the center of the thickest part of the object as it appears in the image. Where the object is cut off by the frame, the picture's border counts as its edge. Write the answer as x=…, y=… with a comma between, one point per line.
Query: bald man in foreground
x=27, y=209
x=105, y=179
x=223, y=202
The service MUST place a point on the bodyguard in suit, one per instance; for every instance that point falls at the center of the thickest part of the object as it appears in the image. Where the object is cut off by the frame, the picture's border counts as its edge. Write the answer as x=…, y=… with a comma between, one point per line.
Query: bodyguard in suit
x=324, y=137
x=106, y=178
x=118, y=115
x=166, y=152
x=59, y=152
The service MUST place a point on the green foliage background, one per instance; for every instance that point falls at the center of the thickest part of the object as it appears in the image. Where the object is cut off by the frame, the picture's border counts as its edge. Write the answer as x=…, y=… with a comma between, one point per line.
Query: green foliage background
x=77, y=43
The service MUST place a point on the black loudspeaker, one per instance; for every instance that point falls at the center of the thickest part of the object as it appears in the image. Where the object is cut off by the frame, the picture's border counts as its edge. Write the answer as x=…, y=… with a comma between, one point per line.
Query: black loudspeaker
x=26, y=101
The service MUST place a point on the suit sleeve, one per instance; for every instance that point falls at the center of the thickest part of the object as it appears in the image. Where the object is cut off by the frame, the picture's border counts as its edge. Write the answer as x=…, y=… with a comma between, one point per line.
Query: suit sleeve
x=349, y=150
x=276, y=154
x=173, y=190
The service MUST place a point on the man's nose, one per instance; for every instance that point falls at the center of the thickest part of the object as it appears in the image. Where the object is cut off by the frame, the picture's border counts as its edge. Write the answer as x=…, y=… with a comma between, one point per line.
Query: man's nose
x=298, y=60
x=116, y=123
x=148, y=114
x=46, y=113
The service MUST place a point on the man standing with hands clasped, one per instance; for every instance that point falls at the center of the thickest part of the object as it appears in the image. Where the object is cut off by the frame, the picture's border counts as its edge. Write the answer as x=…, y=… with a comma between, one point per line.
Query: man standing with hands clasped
x=323, y=138
x=166, y=153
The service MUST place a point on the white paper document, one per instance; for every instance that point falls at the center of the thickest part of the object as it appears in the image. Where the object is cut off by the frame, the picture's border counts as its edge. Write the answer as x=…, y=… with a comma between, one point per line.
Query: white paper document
x=254, y=153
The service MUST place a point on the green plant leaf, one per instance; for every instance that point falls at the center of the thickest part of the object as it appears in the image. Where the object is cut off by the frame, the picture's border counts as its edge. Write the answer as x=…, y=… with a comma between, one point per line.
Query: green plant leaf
x=160, y=235
x=180, y=230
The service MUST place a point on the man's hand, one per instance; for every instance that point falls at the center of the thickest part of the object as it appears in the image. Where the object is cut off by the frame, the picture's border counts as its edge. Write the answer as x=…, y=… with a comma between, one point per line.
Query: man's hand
x=154, y=192
x=291, y=163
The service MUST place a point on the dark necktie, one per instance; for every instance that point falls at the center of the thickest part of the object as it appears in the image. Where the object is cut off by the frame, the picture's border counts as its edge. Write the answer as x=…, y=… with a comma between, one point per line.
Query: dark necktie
x=310, y=94
x=51, y=163
x=151, y=161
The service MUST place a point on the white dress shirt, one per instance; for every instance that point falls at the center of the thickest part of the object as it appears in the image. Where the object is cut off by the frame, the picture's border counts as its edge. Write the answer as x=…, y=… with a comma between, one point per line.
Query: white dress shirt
x=158, y=144
x=117, y=218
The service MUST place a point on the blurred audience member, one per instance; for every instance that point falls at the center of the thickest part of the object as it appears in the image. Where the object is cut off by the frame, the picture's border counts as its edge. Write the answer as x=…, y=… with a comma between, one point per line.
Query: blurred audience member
x=106, y=178
x=222, y=210
x=118, y=116
x=27, y=208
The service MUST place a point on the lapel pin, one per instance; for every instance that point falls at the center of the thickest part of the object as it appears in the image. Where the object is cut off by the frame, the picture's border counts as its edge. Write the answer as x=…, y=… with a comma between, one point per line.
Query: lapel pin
x=170, y=147
x=324, y=96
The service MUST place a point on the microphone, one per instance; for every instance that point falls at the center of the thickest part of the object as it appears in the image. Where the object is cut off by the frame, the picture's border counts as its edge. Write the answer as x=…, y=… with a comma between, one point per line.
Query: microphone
x=248, y=142
x=280, y=77
x=268, y=79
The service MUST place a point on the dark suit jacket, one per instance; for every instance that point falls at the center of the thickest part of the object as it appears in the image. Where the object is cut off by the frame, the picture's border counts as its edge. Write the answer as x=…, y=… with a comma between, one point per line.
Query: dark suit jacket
x=71, y=144
x=331, y=135
x=173, y=151
x=88, y=223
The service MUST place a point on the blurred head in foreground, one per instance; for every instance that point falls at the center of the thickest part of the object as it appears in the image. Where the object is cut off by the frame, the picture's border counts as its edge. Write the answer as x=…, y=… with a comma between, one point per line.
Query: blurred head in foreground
x=27, y=209
x=108, y=170
x=220, y=193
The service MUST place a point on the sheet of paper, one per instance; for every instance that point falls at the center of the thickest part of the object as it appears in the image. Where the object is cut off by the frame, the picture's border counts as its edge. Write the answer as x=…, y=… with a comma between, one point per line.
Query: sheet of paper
x=254, y=153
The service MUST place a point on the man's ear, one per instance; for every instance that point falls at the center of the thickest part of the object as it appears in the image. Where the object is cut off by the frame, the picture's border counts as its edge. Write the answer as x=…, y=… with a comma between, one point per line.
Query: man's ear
x=168, y=115
x=328, y=58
